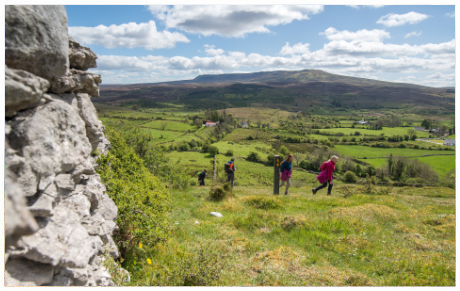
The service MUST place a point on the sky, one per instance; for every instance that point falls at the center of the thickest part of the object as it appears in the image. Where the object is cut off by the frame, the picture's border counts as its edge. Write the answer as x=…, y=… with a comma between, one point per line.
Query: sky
x=158, y=43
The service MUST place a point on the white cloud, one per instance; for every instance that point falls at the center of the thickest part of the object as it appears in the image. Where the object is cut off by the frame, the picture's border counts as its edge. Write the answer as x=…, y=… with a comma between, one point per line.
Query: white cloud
x=230, y=20
x=128, y=35
x=361, y=35
x=371, y=6
x=361, y=53
x=434, y=80
x=298, y=48
x=210, y=50
x=413, y=33
x=381, y=49
x=392, y=19
x=452, y=14
x=132, y=64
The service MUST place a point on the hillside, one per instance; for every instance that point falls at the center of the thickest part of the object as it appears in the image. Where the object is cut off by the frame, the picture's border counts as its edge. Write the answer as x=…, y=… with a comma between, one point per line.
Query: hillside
x=288, y=90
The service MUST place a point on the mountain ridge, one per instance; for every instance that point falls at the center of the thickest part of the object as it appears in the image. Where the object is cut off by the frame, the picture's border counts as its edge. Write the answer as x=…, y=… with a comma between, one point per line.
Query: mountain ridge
x=283, y=76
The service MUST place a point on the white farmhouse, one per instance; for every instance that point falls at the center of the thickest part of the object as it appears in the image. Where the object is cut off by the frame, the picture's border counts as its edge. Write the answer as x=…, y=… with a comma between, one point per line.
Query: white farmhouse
x=449, y=142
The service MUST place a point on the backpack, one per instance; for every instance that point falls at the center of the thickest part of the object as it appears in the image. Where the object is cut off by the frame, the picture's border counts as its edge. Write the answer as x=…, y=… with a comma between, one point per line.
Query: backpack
x=227, y=167
x=199, y=173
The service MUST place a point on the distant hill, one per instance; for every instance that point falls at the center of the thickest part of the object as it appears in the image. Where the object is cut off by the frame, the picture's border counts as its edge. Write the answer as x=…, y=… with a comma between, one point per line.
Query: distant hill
x=303, y=76
x=292, y=90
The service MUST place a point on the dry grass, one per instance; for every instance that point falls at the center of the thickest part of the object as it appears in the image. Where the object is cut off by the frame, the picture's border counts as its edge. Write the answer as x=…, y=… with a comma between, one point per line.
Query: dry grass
x=365, y=212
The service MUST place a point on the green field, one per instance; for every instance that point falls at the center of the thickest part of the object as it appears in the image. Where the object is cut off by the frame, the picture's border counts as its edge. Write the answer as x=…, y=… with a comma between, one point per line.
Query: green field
x=244, y=148
x=244, y=133
x=170, y=125
x=371, y=152
x=387, y=131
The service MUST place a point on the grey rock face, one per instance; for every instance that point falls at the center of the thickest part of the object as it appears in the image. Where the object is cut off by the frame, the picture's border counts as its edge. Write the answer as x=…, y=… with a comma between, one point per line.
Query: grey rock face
x=58, y=218
x=77, y=81
x=19, y=272
x=62, y=241
x=36, y=40
x=22, y=90
x=43, y=207
x=70, y=277
x=107, y=208
x=52, y=139
x=94, y=127
x=19, y=221
x=81, y=57
x=64, y=181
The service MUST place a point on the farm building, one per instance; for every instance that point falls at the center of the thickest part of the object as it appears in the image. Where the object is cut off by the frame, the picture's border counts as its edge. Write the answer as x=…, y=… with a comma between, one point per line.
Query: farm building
x=449, y=142
x=244, y=125
x=362, y=122
x=210, y=123
x=419, y=128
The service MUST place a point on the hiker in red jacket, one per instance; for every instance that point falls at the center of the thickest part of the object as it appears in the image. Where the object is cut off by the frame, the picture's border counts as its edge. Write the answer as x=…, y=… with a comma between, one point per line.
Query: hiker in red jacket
x=326, y=175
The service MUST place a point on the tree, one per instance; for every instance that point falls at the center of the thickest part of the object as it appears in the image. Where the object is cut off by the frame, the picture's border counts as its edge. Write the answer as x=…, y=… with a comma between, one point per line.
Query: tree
x=425, y=124
x=163, y=125
x=411, y=134
x=198, y=122
x=298, y=157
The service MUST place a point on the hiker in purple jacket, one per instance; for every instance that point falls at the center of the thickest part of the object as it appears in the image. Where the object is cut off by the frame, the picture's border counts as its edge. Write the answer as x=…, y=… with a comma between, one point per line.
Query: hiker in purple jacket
x=286, y=172
x=326, y=175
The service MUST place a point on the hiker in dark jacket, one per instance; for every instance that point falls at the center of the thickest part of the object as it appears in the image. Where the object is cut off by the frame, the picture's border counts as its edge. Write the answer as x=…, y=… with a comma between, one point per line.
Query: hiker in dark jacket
x=286, y=172
x=231, y=172
x=326, y=175
x=201, y=177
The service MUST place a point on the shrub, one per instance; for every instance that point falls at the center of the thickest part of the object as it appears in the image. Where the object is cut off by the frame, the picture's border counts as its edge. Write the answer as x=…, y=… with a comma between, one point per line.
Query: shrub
x=416, y=146
x=371, y=170
x=264, y=202
x=253, y=156
x=283, y=150
x=205, y=147
x=350, y=177
x=291, y=222
x=402, y=145
x=142, y=199
x=416, y=181
x=184, y=146
x=219, y=192
x=229, y=153
x=250, y=137
x=200, y=267
x=213, y=150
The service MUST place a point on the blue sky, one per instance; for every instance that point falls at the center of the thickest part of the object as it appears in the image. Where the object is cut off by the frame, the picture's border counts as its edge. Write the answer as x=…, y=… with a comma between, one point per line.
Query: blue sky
x=148, y=44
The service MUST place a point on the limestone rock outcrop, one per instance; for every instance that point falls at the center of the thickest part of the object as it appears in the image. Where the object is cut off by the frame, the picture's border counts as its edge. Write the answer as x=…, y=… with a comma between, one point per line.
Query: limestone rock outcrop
x=77, y=81
x=22, y=90
x=59, y=220
x=36, y=40
x=81, y=57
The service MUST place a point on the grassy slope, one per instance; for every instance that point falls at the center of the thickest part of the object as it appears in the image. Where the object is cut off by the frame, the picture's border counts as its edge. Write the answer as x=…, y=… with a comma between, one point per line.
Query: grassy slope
x=364, y=151
x=170, y=125
x=401, y=239
x=388, y=131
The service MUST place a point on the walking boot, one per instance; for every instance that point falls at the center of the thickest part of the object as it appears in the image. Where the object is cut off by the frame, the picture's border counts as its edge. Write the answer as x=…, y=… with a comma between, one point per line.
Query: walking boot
x=313, y=191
